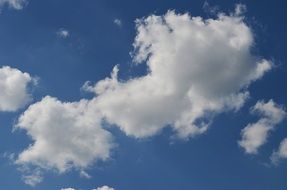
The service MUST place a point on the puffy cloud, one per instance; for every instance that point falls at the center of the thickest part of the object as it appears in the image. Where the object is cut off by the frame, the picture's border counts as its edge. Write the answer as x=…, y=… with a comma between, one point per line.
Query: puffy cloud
x=196, y=69
x=15, y=4
x=254, y=135
x=14, y=88
x=68, y=188
x=65, y=135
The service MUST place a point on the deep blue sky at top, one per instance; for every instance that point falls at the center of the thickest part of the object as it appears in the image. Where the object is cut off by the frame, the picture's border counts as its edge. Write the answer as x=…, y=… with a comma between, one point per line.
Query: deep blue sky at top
x=213, y=161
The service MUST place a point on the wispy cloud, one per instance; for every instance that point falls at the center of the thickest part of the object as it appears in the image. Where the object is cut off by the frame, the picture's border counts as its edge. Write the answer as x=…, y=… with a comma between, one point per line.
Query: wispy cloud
x=14, y=4
x=63, y=33
x=254, y=135
x=105, y=187
x=118, y=22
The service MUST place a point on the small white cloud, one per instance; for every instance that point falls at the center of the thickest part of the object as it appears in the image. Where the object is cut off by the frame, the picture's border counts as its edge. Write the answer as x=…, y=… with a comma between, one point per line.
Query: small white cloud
x=15, y=4
x=254, y=135
x=104, y=188
x=84, y=174
x=33, y=179
x=63, y=33
x=14, y=93
x=281, y=153
x=118, y=22
x=240, y=9
x=210, y=9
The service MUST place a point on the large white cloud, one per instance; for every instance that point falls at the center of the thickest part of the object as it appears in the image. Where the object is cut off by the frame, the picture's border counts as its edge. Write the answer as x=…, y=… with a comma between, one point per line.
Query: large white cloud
x=66, y=135
x=14, y=88
x=196, y=69
x=15, y=4
x=254, y=135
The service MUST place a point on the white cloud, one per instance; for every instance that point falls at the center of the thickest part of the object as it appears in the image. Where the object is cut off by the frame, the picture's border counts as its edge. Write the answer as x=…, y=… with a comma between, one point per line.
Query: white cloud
x=118, y=22
x=210, y=9
x=84, y=174
x=240, y=9
x=14, y=88
x=15, y=4
x=99, y=188
x=65, y=135
x=254, y=135
x=104, y=188
x=33, y=179
x=63, y=33
x=281, y=153
x=197, y=69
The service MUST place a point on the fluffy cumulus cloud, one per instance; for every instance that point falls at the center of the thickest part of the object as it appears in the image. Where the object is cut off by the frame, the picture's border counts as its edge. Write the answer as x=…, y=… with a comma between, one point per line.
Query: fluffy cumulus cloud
x=15, y=4
x=14, y=92
x=254, y=135
x=196, y=69
x=65, y=135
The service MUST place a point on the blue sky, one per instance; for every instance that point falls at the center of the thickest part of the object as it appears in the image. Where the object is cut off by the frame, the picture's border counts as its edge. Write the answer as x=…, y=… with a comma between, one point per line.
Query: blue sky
x=174, y=101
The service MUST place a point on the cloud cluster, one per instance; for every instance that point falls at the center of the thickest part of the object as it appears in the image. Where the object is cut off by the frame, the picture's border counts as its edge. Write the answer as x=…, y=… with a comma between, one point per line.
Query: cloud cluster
x=254, y=135
x=196, y=69
x=14, y=92
x=15, y=4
